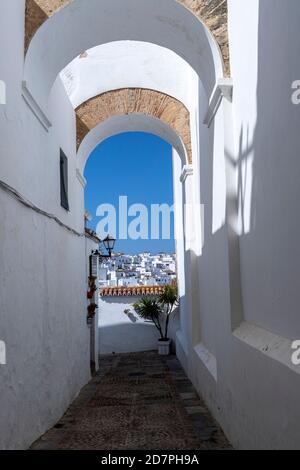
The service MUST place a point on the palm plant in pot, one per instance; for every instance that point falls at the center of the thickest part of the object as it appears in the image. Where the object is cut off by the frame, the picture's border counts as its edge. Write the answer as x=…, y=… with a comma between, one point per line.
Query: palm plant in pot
x=168, y=300
x=159, y=311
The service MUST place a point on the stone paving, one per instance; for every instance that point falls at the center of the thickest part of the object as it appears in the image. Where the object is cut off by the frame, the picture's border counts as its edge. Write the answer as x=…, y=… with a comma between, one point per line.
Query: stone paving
x=138, y=401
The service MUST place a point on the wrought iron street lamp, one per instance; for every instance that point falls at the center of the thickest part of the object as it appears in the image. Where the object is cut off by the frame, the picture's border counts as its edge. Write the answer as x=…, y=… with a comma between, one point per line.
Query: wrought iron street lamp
x=109, y=244
x=97, y=256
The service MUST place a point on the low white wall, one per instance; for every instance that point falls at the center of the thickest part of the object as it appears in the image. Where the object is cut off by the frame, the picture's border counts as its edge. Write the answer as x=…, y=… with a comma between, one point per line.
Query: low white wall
x=120, y=333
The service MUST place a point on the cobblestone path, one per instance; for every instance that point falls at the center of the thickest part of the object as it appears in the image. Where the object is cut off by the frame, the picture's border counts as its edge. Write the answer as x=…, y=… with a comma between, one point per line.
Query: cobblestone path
x=136, y=401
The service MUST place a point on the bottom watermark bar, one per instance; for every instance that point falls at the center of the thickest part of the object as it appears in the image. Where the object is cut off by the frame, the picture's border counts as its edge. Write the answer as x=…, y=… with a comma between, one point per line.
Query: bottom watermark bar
x=151, y=459
x=125, y=459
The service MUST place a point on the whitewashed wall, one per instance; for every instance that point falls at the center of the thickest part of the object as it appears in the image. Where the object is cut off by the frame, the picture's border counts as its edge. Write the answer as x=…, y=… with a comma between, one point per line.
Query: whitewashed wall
x=265, y=42
x=242, y=363
x=120, y=333
x=42, y=283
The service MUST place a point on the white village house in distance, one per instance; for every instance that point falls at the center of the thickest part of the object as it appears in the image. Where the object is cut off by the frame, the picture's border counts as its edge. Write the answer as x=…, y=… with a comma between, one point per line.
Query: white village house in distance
x=144, y=269
x=124, y=280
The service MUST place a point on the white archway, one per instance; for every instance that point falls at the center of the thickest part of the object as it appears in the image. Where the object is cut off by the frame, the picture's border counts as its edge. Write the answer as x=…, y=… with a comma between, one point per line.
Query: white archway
x=128, y=123
x=143, y=123
x=79, y=27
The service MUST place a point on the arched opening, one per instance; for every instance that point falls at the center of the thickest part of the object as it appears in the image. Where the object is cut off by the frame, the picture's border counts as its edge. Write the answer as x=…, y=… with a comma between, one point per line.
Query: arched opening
x=136, y=205
x=129, y=123
x=142, y=123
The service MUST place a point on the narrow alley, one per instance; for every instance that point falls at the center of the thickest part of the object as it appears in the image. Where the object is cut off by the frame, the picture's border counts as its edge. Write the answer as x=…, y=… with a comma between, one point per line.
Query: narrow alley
x=149, y=201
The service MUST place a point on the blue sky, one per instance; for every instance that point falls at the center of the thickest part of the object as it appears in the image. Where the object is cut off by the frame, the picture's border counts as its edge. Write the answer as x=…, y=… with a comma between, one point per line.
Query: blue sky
x=137, y=165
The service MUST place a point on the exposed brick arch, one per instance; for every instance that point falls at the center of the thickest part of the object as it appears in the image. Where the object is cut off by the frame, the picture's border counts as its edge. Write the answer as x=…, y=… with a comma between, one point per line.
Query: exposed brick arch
x=212, y=12
x=135, y=100
x=37, y=12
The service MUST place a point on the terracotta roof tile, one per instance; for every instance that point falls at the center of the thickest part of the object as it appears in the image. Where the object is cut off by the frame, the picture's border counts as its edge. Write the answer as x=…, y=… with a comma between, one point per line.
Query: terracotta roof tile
x=131, y=291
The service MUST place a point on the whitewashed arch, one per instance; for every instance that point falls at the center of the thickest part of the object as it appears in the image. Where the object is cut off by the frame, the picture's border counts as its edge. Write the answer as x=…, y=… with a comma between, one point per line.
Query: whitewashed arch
x=128, y=123
x=83, y=25
x=130, y=64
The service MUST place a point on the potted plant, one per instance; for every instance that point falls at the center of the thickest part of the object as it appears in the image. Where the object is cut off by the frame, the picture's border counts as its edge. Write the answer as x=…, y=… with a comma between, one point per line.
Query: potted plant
x=159, y=311
x=92, y=288
x=168, y=300
x=92, y=310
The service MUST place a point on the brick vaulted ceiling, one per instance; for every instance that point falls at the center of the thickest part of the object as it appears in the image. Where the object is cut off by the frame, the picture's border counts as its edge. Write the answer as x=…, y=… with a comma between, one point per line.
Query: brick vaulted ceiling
x=135, y=100
x=212, y=12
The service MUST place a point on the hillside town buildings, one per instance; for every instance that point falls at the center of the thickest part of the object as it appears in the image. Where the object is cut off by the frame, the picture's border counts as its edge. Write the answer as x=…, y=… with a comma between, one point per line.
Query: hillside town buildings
x=144, y=269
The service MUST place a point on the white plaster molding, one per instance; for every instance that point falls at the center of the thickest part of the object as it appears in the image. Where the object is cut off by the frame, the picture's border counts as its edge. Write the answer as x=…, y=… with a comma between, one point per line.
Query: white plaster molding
x=35, y=108
x=223, y=89
x=207, y=359
x=188, y=170
x=269, y=344
x=2, y=92
x=81, y=178
x=2, y=353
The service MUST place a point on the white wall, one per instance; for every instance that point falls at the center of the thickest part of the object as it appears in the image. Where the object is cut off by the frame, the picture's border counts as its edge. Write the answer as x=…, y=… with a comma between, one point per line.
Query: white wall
x=42, y=283
x=268, y=146
x=244, y=368
x=270, y=168
x=120, y=333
